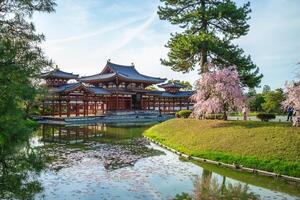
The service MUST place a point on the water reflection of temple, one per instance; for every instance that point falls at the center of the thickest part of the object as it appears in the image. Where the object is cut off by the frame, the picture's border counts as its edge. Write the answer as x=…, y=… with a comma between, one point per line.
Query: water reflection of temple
x=78, y=134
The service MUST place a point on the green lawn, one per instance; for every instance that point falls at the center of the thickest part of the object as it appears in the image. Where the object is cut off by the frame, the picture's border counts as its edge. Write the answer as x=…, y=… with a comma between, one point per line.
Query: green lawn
x=263, y=145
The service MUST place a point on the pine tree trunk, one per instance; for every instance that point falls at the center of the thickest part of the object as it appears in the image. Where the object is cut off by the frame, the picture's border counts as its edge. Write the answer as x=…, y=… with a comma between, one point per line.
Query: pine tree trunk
x=203, y=53
x=203, y=61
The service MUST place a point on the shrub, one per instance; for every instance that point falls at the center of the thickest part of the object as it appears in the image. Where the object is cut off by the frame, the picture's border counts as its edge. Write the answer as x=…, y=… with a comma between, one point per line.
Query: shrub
x=265, y=116
x=214, y=116
x=183, y=113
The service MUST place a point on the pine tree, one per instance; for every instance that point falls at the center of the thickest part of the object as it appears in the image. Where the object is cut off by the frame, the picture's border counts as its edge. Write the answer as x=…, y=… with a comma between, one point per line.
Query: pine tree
x=210, y=26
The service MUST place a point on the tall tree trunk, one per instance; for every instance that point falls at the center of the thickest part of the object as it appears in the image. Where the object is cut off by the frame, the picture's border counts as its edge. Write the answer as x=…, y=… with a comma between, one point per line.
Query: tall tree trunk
x=203, y=61
x=203, y=52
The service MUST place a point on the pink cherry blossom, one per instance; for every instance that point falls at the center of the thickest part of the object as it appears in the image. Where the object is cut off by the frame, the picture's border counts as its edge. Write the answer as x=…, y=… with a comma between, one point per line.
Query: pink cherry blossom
x=293, y=96
x=218, y=92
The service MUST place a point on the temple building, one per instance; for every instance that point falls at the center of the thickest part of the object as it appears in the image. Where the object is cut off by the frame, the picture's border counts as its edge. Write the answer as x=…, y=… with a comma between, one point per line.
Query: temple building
x=116, y=88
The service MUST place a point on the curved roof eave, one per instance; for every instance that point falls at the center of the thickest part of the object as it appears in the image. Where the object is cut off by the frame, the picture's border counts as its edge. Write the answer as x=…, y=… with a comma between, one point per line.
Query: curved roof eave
x=59, y=74
x=98, y=77
x=153, y=81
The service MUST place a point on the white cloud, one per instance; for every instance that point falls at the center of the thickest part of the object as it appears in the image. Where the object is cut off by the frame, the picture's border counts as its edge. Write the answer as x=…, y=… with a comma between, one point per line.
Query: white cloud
x=105, y=29
x=129, y=35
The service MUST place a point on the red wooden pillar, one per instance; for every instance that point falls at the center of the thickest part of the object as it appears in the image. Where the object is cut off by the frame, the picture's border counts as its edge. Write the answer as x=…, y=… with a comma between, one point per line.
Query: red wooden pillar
x=154, y=103
x=95, y=111
x=173, y=104
x=102, y=105
x=158, y=103
x=76, y=107
x=59, y=107
x=84, y=108
x=68, y=108
x=131, y=103
x=117, y=102
x=180, y=104
x=106, y=102
x=53, y=108
x=164, y=108
x=87, y=108
x=142, y=103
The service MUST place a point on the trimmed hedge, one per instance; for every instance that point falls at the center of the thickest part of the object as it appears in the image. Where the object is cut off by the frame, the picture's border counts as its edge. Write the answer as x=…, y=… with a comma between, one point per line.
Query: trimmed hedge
x=265, y=117
x=183, y=113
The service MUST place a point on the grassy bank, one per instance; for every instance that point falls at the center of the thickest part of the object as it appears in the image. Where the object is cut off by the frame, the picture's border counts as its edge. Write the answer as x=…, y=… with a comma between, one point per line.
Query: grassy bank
x=273, y=147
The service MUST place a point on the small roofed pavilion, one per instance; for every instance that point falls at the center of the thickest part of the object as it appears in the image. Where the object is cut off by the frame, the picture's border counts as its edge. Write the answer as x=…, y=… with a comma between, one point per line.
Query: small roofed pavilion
x=171, y=99
x=115, y=88
x=57, y=77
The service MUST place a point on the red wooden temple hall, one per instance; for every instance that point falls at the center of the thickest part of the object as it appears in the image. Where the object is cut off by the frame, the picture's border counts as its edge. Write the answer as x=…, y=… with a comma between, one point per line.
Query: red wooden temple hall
x=115, y=88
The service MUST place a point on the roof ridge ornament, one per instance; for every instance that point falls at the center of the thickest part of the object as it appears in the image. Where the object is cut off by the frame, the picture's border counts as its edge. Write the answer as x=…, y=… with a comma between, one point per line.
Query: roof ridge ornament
x=132, y=64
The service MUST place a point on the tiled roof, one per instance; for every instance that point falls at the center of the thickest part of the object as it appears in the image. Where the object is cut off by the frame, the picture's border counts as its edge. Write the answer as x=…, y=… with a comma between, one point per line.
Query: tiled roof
x=97, y=90
x=129, y=72
x=64, y=87
x=172, y=85
x=98, y=77
x=168, y=94
x=122, y=71
x=74, y=86
x=56, y=73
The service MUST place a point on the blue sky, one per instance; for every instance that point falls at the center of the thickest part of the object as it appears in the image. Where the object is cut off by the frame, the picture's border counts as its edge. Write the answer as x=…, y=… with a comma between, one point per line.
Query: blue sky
x=82, y=35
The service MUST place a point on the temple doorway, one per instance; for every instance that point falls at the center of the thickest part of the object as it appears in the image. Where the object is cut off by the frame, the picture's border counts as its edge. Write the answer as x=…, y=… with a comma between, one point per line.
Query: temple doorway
x=137, y=101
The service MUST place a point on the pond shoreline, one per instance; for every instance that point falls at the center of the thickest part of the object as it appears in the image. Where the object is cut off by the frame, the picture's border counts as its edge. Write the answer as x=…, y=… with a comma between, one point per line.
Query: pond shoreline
x=231, y=166
x=193, y=145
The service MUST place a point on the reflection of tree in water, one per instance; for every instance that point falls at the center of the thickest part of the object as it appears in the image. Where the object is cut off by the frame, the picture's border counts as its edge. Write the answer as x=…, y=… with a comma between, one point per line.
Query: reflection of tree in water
x=207, y=187
x=18, y=164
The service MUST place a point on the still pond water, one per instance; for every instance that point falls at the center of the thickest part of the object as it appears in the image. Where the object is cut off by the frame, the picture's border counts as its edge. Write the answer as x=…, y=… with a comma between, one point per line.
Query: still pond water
x=114, y=162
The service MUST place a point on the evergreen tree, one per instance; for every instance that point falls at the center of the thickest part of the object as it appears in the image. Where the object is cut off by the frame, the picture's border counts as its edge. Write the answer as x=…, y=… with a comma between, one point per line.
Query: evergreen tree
x=21, y=60
x=209, y=26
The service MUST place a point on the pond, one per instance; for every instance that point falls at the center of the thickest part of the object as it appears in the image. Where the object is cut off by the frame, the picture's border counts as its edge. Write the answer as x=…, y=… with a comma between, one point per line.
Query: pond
x=114, y=161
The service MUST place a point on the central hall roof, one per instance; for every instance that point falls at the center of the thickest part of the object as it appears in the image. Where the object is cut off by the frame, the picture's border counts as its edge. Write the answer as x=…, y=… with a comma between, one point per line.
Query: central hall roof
x=127, y=72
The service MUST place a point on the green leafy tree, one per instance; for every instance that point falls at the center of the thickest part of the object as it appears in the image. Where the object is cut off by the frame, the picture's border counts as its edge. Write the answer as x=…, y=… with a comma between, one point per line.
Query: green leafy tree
x=256, y=102
x=273, y=100
x=21, y=60
x=209, y=26
x=187, y=84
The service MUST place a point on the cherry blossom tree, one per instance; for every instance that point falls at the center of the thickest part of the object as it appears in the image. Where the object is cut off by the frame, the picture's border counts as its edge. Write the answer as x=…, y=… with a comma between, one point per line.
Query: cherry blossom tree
x=293, y=96
x=218, y=92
